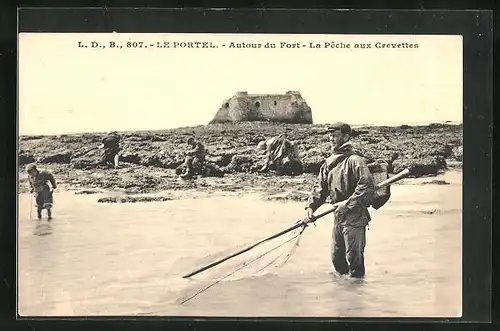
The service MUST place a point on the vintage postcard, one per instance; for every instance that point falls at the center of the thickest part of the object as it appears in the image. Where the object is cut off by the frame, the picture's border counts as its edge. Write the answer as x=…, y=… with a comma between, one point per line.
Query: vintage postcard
x=252, y=175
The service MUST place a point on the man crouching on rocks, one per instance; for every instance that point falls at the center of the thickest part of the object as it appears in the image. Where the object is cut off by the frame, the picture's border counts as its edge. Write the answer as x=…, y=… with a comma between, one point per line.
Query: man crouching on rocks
x=282, y=154
x=346, y=179
x=195, y=157
x=38, y=181
x=111, y=145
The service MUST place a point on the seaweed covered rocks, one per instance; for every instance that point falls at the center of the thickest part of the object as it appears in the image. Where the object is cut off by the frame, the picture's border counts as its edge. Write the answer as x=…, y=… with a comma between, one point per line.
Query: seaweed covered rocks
x=149, y=160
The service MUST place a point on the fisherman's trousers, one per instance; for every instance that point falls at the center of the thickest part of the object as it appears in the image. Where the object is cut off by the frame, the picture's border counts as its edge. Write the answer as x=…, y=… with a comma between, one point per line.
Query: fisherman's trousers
x=109, y=155
x=44, y=199
x=348, y=246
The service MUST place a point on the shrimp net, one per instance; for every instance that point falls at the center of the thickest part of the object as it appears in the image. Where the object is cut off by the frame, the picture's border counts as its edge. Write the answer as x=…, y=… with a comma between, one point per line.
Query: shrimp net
x=260, y=260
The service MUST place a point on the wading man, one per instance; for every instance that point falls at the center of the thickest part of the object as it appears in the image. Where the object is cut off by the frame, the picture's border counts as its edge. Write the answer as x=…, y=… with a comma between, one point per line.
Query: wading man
x=195, y=158
x=111, y=145
x=39, y=183
x=346, y=179
x=281, y=154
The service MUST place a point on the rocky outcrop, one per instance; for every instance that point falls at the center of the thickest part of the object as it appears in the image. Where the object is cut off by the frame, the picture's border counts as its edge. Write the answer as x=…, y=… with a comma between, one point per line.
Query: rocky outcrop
x=436, y=182
x=150, y=160
x=25, y=158
x=129, y=199
x=421, y=166
x=280, y=108
x=56, y=157
x=458, y=153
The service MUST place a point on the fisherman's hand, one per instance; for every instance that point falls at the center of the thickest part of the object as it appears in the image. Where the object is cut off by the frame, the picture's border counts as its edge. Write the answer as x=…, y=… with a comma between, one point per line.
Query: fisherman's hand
x=309, y=214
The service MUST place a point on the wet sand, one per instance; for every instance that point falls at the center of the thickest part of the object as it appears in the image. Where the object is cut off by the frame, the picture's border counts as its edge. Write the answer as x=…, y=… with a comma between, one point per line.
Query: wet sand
x=128, y=259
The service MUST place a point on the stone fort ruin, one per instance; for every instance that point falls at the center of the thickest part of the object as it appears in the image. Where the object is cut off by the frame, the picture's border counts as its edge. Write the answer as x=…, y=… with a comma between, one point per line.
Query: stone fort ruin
x=284, y=108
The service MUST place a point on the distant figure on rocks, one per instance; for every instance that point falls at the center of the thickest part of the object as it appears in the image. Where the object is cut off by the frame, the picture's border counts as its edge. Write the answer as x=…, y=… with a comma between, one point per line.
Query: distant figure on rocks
x=281, y=154
x=346, y=179
x=195, y=158
x=39, y=183
x=111, y=145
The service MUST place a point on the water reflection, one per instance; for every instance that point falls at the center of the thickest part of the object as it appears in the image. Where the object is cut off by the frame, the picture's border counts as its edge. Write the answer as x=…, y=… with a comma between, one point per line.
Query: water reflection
x=129, y=258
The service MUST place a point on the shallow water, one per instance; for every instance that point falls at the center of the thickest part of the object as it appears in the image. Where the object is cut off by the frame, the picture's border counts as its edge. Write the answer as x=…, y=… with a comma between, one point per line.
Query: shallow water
x=127, y=259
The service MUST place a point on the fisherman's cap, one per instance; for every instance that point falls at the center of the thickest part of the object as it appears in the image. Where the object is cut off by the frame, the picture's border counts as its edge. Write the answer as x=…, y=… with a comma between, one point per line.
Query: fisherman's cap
x=30, y=167
x=343, y=127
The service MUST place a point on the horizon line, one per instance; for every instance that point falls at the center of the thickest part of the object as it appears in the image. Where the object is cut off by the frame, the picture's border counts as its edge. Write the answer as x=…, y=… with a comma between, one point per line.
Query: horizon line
x=237, y=123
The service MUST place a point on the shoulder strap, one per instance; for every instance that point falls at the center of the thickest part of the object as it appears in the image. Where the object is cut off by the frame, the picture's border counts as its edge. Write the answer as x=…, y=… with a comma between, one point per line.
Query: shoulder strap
x=339, y=159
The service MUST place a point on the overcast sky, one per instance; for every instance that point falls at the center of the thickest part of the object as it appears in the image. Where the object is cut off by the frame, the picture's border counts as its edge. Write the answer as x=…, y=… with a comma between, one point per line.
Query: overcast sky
x=65, y=89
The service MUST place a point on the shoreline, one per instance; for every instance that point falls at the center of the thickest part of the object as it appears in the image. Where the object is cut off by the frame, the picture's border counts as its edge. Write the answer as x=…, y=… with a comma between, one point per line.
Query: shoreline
x=230, y=125
x=275, y=189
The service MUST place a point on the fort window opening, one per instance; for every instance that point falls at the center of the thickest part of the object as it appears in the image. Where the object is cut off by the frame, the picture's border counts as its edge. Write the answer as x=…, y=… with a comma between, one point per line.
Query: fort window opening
x=257, y=104
x=275, y=103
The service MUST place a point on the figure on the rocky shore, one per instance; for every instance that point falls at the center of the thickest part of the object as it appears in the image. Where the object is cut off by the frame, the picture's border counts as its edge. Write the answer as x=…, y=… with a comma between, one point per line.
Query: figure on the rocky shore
x=346, y=179
x=39, y=184
x=111, y=145
x=195, y=158
x=281, y=154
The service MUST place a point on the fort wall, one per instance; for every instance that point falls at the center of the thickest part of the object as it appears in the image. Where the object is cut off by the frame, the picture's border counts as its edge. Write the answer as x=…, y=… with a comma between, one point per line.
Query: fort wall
x=286, y=108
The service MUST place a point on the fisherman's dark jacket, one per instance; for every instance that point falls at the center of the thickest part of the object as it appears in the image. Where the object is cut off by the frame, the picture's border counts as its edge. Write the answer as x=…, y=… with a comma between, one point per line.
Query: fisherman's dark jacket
x=111, y=142
x=198, y=151
x=344, y=176
x=40, y=182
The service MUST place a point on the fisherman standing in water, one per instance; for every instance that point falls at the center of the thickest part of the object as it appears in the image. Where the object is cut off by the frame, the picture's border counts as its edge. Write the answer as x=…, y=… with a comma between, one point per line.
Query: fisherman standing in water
x=346, y=179
x=38, y=181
